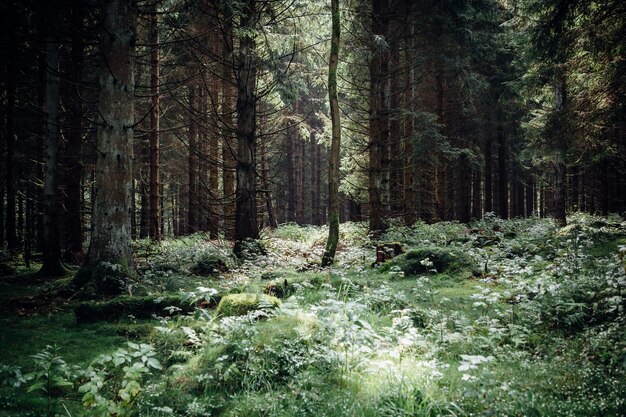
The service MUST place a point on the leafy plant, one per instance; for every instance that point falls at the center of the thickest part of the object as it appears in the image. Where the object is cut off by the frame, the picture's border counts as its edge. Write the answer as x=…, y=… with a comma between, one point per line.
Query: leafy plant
x=113, y=382
x=52, y=373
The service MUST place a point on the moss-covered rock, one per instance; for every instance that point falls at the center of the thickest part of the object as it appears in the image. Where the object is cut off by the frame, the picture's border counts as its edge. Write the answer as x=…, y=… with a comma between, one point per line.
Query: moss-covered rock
x=240, y=304
x=279, y=288
x=125, y=306
x=428, y=258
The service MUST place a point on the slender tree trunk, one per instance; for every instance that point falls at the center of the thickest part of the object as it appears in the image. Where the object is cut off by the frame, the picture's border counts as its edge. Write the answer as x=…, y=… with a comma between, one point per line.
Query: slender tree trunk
x=333, y=163
x=246, y=226
x=51, y=261
x=155, y=209
x=110, y=242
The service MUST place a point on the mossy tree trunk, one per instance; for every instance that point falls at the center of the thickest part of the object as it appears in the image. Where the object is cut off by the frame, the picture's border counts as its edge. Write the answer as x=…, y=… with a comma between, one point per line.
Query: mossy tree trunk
x=109, y=253
x=333, y=160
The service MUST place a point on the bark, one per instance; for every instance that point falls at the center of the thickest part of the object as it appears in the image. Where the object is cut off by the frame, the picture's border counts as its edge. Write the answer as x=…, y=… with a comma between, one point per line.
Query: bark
x=333, y=160
x=530, y=197
x=51, y=260
x=379, y=121
x=560, y=94
x=267, y=188
x=110, y=242
x=503, y=192
x=246, y=226
x=488, y=169
x=227, y=112
x=10, y=77
x=291, y=177
x=409, y=178
x=395, y=141
x=155, y=209
x=192, y=164
x=317, y=213
x=299, y=176
x=73, y=157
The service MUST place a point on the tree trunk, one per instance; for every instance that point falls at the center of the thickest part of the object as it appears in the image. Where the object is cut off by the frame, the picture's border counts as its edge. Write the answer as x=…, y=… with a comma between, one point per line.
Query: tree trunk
x=11, y=71
x=503, y=192
x=228, y=129
x=192, y=213
x=379, y=121
x=559, y=161
x=333, y=163
x=110, y=242
x=73, y=158
x=51, y=261
x=246, y=226
x=488, y=168
x=155, y=209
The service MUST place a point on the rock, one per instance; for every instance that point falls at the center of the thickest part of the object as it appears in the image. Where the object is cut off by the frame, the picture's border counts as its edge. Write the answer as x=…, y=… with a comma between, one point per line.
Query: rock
x=387, y=251
x=278, y=288
x=240, y=304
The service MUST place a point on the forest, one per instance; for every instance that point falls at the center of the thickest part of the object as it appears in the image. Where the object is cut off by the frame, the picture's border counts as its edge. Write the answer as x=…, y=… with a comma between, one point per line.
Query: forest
x=313, y=208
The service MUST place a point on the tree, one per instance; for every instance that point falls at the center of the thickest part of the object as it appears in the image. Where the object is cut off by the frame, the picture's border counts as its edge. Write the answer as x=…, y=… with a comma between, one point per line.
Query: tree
x=52, y=266
x=246, y=226
x=333, y=160
x=109, y=260
x=155, y=207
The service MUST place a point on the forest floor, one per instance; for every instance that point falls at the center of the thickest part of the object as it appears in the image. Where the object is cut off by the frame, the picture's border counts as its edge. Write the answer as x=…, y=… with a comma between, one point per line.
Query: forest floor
x=496, y=318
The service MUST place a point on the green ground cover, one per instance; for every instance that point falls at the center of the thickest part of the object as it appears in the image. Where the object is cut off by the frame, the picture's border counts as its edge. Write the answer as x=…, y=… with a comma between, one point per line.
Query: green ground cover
x=496, y=318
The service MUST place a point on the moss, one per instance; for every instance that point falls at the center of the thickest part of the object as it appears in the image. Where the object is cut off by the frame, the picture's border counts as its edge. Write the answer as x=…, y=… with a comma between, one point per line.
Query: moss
x=240, y=304
x=444, y=259
x=122, y=307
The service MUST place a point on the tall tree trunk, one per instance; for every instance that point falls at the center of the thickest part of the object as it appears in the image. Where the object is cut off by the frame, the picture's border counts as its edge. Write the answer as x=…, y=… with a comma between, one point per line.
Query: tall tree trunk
x=560, y=94
x=395, y=140
x=291, y=176
x=228, y=128
x=110, y=242
x=155, y=209
x=299, y=174
x=488, y=168
x=10, y=77
x=379, y=120
x=192, y=205
x=318, y=186
x=335, y=146
x=503, y=192
x=246, y=226
x=51, y=261
x=73, y=157
x=267, y=187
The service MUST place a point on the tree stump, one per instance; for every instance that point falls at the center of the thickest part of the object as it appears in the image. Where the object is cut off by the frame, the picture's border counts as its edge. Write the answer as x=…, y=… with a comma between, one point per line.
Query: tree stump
x=386, y=251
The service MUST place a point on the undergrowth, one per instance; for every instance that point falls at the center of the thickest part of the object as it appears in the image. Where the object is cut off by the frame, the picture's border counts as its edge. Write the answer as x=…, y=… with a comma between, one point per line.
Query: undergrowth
x=495, y=318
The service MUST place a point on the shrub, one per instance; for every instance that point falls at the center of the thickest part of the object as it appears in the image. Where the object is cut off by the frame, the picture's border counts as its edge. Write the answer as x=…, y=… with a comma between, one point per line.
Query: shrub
x=429, y=258
x=210, y=264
